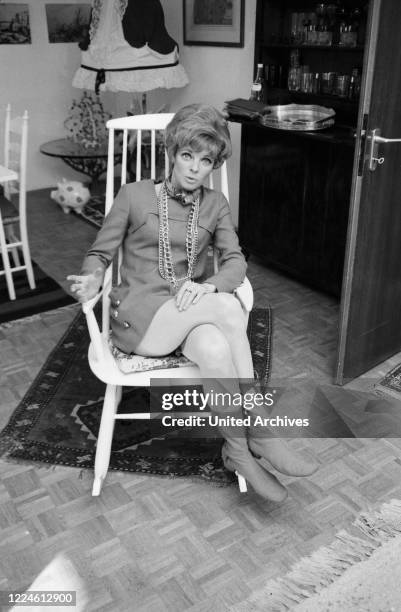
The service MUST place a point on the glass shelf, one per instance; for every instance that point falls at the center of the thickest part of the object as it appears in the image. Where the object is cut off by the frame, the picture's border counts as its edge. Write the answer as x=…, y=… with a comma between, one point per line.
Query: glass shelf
x=323, y=99
x=274, y=45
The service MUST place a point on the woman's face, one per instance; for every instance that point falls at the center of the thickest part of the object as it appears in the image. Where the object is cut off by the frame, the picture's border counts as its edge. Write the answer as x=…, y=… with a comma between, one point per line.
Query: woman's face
x=191, y=168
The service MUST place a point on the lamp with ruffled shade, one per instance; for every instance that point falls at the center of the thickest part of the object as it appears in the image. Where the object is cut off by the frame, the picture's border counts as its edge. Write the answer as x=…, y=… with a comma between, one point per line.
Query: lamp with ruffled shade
x=129, y=49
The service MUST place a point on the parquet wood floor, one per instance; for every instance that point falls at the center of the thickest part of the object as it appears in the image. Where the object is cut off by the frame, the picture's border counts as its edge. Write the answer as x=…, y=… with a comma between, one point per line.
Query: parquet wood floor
x=154, y=544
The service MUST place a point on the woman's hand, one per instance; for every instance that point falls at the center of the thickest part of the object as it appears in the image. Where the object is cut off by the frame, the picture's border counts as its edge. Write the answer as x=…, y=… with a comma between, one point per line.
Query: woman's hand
x=86, y=287
x=191, y=293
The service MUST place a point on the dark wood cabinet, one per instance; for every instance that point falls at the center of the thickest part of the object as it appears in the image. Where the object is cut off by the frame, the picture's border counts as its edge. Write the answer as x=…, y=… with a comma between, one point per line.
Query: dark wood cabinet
x=295, y=186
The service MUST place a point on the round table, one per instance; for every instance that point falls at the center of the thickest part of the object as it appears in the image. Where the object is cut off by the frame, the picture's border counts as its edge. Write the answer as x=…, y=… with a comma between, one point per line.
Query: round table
x=92, y=162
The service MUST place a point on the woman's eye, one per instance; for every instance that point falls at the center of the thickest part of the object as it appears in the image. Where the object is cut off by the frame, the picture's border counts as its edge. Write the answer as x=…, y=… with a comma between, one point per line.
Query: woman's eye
x=207, y=161
x=186, y=155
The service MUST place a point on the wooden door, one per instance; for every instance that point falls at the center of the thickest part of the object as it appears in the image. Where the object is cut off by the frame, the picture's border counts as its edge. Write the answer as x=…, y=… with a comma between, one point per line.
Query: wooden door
x=370, y=320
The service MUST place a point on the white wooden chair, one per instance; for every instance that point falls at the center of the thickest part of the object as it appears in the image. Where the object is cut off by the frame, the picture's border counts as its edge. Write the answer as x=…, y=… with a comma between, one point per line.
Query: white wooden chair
x=101, y=360
x=15, y=235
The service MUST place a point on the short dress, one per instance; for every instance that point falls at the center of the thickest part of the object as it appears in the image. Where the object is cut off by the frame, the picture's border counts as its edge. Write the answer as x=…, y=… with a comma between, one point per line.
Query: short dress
x=133, y=222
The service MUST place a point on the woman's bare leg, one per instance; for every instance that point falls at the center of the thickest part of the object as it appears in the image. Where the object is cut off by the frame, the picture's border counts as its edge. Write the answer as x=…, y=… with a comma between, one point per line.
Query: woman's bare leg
x=207, y=346
x=225, y=313
x=220, y=309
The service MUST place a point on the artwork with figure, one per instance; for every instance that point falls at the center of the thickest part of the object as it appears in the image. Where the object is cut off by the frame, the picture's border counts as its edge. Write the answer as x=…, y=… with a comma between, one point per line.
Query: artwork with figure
x=213, y=12
x=67, y=22
x=14, y=24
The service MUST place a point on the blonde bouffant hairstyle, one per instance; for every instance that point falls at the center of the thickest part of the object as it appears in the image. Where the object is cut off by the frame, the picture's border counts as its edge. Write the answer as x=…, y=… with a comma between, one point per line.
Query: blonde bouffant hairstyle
x=199, y=126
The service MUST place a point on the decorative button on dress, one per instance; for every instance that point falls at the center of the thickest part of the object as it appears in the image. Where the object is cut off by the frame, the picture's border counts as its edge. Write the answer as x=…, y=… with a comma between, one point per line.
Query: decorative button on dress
x=133, y=222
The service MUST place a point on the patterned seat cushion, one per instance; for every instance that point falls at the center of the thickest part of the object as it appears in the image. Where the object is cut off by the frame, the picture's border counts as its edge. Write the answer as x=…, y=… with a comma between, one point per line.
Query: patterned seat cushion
x=9, y=213
x=136, y=363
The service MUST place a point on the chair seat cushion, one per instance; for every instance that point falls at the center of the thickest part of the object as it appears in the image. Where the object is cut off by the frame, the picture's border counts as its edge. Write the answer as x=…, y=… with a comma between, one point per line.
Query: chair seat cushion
x=136, y=363
x=9, y=213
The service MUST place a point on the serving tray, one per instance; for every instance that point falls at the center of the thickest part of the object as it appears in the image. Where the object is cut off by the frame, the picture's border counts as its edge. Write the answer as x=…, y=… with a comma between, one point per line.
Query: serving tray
x=301, y=117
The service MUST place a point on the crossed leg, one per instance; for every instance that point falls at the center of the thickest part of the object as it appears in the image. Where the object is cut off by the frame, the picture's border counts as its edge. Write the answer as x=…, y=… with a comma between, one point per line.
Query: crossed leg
x=213, y=335
x=207, y=346
x=222, y=310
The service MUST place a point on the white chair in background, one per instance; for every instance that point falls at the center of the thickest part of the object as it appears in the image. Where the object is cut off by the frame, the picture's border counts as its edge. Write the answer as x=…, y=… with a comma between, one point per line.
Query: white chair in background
x=101, y=360
x=13, y=217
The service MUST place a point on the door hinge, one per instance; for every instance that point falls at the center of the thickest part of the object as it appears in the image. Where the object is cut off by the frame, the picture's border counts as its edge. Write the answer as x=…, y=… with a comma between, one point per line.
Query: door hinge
x=362, y=144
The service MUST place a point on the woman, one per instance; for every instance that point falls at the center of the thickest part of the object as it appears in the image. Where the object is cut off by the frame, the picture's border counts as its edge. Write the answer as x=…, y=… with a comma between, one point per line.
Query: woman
x=166, y=300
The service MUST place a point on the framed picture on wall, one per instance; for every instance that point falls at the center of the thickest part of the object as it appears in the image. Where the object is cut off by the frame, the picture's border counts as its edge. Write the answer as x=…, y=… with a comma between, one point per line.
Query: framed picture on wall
x=218, y=23
x=14, y=24
x=67, y=22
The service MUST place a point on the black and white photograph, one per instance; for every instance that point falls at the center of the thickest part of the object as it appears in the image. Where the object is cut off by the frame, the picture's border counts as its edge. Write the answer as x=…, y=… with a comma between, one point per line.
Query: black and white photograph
x=67, y=22
x=14, y=24
x=200, y=297
x=220, y=23
x=206, y=12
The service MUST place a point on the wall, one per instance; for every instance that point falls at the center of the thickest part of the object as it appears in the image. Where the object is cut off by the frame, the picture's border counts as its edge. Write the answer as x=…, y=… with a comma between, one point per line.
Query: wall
x=216, y=74
x=39, y=76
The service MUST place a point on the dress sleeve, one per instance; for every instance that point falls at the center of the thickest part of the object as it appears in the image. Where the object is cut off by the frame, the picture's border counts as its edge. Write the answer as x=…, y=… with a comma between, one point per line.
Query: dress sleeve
x=110, y=236
x=232, y=264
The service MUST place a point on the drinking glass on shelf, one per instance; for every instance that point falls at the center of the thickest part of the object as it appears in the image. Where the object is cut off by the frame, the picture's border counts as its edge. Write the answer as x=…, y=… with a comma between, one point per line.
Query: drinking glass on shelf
x=342, y=85
x=331, y=11
x=294, y=79
x=327, y=82
x=294, y=28
x=301, y=20
x=307, y=82
x=316, y=83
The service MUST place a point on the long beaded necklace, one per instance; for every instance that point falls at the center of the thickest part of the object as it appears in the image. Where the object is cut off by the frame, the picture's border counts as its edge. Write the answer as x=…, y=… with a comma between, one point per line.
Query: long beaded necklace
x=166, y=266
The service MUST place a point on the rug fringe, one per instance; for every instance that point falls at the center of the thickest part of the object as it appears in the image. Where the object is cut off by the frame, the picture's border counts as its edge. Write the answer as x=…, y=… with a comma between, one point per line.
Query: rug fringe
x=310, y=575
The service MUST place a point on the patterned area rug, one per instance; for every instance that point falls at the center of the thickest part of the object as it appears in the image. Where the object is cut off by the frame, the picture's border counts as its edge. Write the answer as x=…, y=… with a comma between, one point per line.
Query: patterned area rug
x=391, y=383
x=48, y=295
x=58, y=419
x=93, y=211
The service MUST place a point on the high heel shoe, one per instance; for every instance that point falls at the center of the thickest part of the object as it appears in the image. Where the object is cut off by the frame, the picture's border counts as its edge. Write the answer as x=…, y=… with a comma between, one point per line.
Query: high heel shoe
x=263, y=443
x=278, y=453
x=235, y=452
x=238, y=459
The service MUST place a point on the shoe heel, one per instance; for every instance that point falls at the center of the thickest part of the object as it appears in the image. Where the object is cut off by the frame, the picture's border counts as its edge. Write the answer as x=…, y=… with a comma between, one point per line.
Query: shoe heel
x=241, y=483
x=241, y=480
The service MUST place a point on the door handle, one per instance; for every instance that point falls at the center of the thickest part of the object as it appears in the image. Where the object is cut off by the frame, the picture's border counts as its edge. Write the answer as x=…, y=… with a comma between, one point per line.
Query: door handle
x=374, y=140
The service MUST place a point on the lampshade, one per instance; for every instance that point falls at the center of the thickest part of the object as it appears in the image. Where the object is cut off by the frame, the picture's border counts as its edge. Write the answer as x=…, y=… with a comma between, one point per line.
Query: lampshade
x=129, y=49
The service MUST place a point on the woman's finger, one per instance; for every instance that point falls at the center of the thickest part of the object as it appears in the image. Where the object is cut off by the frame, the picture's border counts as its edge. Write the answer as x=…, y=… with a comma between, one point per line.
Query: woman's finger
x=181, y=292
x=75, y=277
x=198, y=296
x=187, y=297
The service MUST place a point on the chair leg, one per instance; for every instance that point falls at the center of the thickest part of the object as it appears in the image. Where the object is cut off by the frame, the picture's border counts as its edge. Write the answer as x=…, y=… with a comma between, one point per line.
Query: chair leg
x=15, y=254
x=27, y=257
x=10, y=236
x=105, y=437
x=6, y=263
x=241, y=483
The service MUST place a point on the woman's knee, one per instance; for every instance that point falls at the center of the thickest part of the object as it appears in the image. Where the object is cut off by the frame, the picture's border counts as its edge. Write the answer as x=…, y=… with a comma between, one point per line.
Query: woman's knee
x=229, y=314
x=208, y=347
